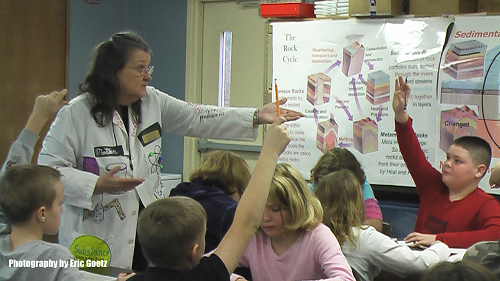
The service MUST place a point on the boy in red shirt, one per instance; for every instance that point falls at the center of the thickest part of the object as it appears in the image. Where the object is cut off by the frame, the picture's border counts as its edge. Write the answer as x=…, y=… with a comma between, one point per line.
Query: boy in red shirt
x=452, y=207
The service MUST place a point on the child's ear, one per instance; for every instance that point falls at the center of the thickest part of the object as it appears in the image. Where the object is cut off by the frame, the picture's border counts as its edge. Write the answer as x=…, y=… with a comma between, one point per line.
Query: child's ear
x=40, y=214
x=193, y=254
x=480, y=170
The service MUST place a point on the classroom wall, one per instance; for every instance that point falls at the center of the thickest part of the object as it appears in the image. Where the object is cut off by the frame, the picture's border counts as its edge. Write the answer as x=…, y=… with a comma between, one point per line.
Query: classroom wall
x=163, y=26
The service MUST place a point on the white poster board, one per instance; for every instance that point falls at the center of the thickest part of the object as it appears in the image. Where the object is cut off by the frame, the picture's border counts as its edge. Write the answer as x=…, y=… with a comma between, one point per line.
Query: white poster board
x=341, y=74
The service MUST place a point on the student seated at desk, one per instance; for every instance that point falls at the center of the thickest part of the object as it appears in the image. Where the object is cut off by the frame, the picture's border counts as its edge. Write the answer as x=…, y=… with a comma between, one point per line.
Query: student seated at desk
x=367, y=250
x=292, y=243
x=172, y=230
x=217, y=185
x=452, y=207
x=337, y=159
x=30, y=198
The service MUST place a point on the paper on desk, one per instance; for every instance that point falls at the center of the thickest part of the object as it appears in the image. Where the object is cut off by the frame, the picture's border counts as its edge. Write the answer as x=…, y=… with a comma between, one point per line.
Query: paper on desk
x=89, y=276
x=456, y=254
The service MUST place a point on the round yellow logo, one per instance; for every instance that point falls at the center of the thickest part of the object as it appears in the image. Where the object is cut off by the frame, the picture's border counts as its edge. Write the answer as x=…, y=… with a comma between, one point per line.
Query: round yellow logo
x=90, y=248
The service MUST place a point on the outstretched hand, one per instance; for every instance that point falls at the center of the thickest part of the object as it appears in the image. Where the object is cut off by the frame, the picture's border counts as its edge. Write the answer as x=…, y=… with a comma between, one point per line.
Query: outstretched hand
x=109, y=183
x=268, y=113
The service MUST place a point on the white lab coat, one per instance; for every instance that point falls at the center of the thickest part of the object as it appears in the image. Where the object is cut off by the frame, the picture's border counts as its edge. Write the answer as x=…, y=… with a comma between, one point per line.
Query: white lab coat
x=82, y=150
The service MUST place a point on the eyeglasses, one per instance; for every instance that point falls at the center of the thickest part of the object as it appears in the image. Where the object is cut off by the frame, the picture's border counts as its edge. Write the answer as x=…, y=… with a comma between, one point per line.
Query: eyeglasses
x=143, y=70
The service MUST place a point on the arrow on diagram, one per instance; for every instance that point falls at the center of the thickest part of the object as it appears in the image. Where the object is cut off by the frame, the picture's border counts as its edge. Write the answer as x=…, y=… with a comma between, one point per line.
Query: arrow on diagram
x=332, y=66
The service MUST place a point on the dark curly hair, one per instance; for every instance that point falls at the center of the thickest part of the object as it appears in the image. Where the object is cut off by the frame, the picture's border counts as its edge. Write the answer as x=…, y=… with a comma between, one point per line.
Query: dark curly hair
x=102, y=82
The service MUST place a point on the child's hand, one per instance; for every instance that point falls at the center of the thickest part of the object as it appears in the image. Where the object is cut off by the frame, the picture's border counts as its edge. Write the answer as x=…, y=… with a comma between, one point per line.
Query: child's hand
x=47, y=105
x=398, y=101
x=125, y=276
x=419, y=239
x=277, y=137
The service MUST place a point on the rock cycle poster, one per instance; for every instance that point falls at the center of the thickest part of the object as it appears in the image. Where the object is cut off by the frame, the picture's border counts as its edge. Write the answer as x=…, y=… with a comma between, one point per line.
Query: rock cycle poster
x=340, y=74
x=469, y=87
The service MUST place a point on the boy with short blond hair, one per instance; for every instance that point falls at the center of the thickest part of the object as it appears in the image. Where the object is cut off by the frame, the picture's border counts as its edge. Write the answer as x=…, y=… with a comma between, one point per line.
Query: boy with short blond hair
x=185, y=219
x=452, y=207
x=31, y=197
x=171, y=226
x=24, y=188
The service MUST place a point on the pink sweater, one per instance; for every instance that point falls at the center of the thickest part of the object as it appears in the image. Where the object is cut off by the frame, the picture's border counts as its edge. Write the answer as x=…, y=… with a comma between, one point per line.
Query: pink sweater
x=315, y=255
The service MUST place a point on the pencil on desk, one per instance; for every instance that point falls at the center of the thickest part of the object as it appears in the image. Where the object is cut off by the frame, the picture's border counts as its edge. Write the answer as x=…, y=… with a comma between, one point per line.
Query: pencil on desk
x=277, y=100
x=406, y=87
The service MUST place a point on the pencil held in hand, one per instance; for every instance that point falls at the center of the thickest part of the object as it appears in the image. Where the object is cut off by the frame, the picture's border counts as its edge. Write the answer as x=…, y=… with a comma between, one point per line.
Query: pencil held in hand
x=406, y=90
x=277, y=100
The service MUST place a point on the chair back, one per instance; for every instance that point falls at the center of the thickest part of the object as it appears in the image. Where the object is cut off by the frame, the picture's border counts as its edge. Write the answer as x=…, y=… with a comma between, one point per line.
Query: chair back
x=387, y=229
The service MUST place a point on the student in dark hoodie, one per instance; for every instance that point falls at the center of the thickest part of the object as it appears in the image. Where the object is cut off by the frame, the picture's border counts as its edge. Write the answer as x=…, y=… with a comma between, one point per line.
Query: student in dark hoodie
x=217, y=185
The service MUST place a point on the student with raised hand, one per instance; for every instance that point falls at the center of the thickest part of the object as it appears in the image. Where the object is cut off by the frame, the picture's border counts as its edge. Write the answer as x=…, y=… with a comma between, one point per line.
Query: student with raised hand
x=44, y=110
x=337, y=159
x=30, y=206
x=172, y=230
x=367, y=250
x=453, y=209
x=217, y=185
x=292, y=243
x=106, y=143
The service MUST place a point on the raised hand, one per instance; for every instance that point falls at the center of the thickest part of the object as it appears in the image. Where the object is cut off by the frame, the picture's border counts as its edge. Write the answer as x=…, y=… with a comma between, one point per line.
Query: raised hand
x=276, y=137
x=399, y=101
x=46, y=106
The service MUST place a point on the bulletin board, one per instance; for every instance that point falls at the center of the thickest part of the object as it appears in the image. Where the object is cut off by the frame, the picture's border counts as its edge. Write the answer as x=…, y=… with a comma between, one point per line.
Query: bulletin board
x=341, y=74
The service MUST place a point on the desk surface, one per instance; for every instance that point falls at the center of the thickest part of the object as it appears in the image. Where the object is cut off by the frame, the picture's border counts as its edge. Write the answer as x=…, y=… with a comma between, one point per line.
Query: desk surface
x=456, y=254
x=103, y=273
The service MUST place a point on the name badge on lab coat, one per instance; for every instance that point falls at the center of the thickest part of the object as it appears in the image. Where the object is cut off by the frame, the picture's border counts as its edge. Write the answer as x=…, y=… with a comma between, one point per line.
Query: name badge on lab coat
x=150, y=134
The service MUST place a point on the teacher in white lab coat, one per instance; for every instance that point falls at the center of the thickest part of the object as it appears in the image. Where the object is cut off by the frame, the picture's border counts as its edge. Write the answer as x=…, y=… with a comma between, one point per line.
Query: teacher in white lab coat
x=107, y=145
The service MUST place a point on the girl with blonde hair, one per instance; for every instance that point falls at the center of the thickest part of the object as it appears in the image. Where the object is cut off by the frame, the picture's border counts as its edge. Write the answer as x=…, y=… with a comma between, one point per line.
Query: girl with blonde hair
x=292, y=243
x=367, y=250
